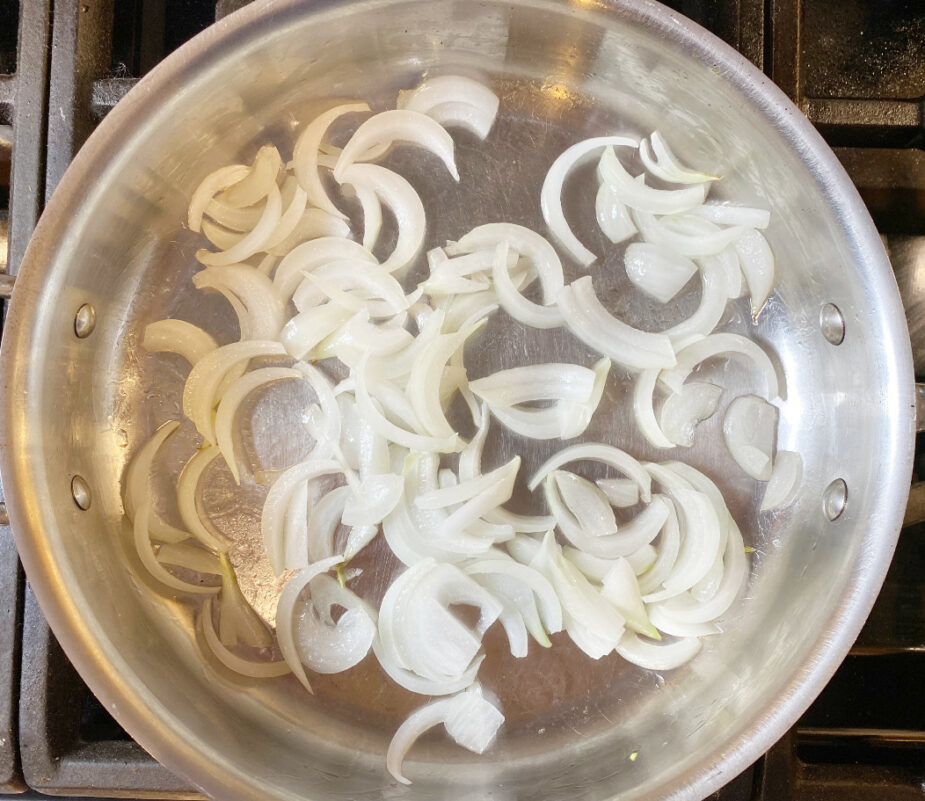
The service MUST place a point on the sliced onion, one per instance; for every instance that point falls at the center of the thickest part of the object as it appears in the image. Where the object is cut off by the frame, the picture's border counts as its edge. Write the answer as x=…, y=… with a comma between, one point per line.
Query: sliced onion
x=273, y=518
x=644, y=409
x=355, y=286
x=142, y=543
x=465, y=491
x=235, y=663
x=784, y=481
x=621, y=589
x=727, y=261
x=708, y=241
x=454, y=100
x=404, y=202
x=613, y=217
x=305, y=155
x=495, y=488
x=309, y=256
x=307, y=329
x=757, y=262
x=137, y=483
x=323, y=421
x=254, y=290
x=675, y=628
x=314, y=224
x=551, y=193
x=591, y=622
x=715, y=345
x=321, y=523
x=187, y=494
x=637, y=195
x=200, y=390
x=714, y=294
x=190, y=557
x=397, y=125
x=232, y=399
x=258, y=183
x=211, y=185
x=371, y=207
x=621, y=492
x=588, y=505
x=515, y=304
x=375, y=498
x=252, y=242
x=657, y=656
x=656, y=271
x=662, y=163
x=750, y=430
x=669, y=544
x=534, y=383
x=470, y=719
x=683, y=411
x=178, y=336
x=588, y=320
x=292, y=215
x=731, y=214
x=285, y=609
x=597, y=452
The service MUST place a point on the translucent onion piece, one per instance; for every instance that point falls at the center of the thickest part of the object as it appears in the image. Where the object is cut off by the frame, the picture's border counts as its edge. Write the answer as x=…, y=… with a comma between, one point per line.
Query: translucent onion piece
x=668, y=625
x=715, y=345
x=235, y=663
x=464, y=491
x=731, y=214
x=231, y=401
x=371, y=207
x=683, y=411
x=142, y=542
x=178, y=336
x=252, y=242
x=314, y=224
x=190, y=557
x=254, y=290
x=290, y=218
x=325, y=423
x=656, y=271
x=515, y=304
x=201, y=388
x=355, y=287
x=750, y=430
x=714, y=294
x=786, y=476
x=621, y=492
x=592, y=623
x=404, y=202
x=613, y=217
x=597, y=452
x=137, y=486
x=423, y=388
x=257, y=184
x=238, y=622
x=470, y=719
x=285, y=613
x=621, y=589
x=454, y=100
x=534, y=383
x=551, y=193
x=302, y=333
x=358, y=538
x=305, y=155
x=273, y=518
x=309, y=256
x=210, y=186
x=397, y=125
x=375, y=498
x=187, y=493
x=529, y=244
x=657, y=656
x=232, y=217
x=494, y=489
x=727, y=261
x=376, y=340
x=588, y=320
x=757, y=262
x=587, y=503
x=540, y=424
x=669, y=543
x=662, y=163
x=644, y=409
x=393, y=433
x=707, y=241
x=637, y=195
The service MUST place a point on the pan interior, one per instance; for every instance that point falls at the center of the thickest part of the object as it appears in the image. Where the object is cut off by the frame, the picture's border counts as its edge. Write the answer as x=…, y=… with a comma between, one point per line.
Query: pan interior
x=575, y=727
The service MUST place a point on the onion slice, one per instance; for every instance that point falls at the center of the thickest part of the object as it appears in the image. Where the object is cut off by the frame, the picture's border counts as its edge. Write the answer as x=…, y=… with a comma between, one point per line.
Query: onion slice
x=211, y=185
x=397, y=125
x=551, y=193
x=453, y=100
x=757, y=262
x=784, y=482
x=178, y=336
x=187, y=493
x=662, y=163
x=750, y=430
x=683, y=411
x=637, y=195
x=655, y=656
x=656, y=271
x=597, y=452
x=613, y=217
x=235, y=663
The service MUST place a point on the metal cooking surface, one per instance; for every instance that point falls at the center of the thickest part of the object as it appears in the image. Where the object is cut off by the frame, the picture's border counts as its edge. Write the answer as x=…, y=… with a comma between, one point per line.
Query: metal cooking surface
x=851, y=66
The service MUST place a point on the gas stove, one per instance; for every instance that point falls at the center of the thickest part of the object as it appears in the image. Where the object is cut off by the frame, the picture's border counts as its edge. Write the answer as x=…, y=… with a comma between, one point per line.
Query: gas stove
x=856, y=68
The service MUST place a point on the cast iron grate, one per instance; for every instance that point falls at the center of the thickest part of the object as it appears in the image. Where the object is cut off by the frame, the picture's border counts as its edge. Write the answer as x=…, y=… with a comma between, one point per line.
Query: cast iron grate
x=851, y=66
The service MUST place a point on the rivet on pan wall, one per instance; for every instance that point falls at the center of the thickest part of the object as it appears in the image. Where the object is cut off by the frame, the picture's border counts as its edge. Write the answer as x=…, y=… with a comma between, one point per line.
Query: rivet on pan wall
x=832, y=323
x=80, y=492
x=834, y=499
x=84, y=321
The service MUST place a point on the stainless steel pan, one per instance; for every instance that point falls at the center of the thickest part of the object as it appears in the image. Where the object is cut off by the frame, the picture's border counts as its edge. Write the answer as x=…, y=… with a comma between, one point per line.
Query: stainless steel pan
x=111, y=254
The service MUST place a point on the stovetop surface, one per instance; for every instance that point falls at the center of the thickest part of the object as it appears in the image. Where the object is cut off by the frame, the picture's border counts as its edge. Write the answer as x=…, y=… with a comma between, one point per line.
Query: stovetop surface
x=856, y=68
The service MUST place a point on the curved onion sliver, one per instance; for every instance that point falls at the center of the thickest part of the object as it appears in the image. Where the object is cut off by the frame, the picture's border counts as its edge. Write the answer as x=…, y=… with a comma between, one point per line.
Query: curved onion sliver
x=638, y=196
x=454, y=100
x=211, y=185
x=784, y=481
x=187, y=493
x=662, y=163
x=178, y=336
x=244, y=667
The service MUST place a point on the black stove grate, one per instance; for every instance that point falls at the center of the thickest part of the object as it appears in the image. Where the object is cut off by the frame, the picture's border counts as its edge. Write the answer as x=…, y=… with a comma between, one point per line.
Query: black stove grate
x=855, y=67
